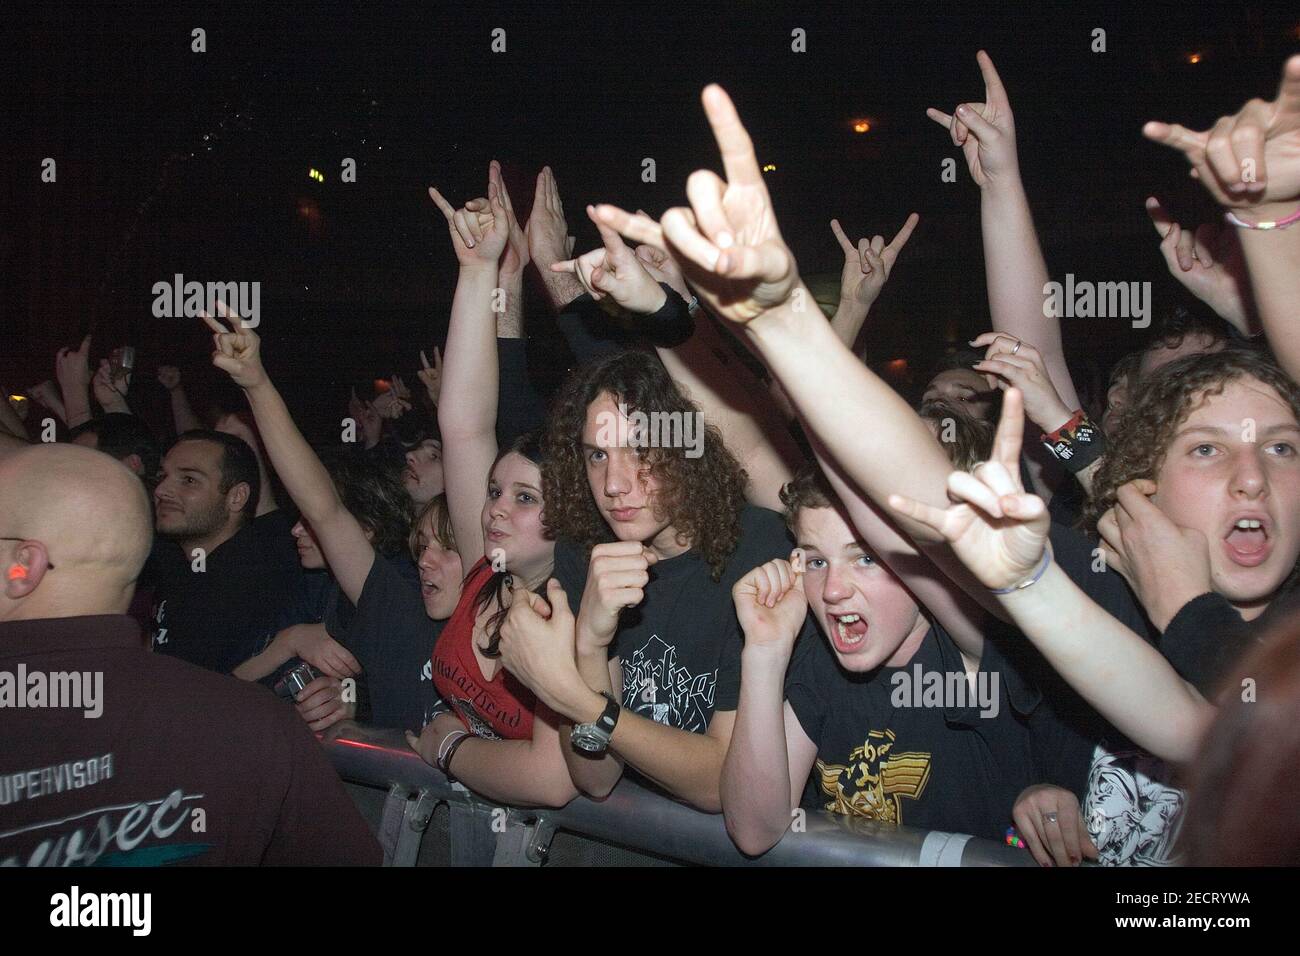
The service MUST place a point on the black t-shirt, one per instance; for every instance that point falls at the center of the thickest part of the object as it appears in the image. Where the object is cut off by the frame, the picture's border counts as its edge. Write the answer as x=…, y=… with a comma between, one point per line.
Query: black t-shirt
x=1131, y=808
x=221, y=612
x=392, y=638
x=680, y=648
x=916, y=745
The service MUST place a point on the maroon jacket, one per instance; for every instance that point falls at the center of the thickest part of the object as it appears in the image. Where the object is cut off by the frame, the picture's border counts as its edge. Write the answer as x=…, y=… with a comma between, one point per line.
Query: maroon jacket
x=181, y=766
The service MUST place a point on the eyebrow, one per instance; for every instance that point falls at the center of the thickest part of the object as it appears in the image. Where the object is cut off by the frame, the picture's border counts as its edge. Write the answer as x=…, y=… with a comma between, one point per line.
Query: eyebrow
x=1222, y=430
x=524, y=484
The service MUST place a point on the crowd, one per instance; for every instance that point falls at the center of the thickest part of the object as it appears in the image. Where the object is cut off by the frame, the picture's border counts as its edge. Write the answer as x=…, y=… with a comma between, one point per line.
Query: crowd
x=724, y=557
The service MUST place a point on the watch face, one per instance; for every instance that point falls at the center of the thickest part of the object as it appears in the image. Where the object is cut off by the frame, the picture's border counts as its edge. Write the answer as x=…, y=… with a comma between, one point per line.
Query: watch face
x=584, y=739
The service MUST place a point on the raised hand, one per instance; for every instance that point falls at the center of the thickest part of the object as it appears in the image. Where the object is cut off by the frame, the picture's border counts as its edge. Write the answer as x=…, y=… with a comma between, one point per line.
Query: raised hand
x=663, y=268
x=169, y=377
x=47, y=393
x=1010, y=362
x=771, y=605
x=614, y=270
x=985, y=132
x=616, y=578
x=1252, y=158
x=546, y=231
x=479, y=232
x=867, y=265
x=1165, y=564
x=1209, y=264
x=392, y=404
x=995, y=528
x=72, y=368
x=236, y=350
x=516, y=255
x=431, y=375
x=728, y=243
x=106, y=392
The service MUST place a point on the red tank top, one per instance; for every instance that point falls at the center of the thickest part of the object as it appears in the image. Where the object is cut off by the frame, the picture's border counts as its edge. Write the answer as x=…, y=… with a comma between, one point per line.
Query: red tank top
x=499, y=708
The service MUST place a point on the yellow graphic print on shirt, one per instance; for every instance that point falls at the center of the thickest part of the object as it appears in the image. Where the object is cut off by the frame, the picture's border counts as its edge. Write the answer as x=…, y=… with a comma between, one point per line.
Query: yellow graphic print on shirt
x=875, y=780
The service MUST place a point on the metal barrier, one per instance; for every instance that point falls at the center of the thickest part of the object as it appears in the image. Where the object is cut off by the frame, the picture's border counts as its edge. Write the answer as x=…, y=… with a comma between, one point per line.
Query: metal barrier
x=632, y=817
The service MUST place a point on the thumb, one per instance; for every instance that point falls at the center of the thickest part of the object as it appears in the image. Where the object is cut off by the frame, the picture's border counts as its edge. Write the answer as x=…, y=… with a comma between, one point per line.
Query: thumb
x=650, y=556
x=559, y=600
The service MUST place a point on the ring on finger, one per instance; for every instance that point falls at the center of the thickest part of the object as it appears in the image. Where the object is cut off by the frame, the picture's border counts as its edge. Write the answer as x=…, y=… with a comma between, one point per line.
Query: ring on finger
x=1017, y=348
x=1050, y=817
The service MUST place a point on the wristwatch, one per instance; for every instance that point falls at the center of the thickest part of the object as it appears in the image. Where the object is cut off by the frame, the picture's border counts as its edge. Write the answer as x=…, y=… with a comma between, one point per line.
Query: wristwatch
x=593, y=738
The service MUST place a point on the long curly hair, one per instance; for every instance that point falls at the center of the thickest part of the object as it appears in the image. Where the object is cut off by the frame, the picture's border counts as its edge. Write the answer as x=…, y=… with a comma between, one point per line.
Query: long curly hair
x=1164, y=400
x=701, y=497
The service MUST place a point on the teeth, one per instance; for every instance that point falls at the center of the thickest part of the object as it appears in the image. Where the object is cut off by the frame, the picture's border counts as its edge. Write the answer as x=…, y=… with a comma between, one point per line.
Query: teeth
x=850, y=619
x=1249, y=524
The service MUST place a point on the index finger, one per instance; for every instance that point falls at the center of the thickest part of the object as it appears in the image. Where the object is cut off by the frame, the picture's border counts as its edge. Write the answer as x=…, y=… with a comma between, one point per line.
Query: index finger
x=1011, y=432
x=637, y=228
x=1179, y=137
x=424, y=359
x=733, y=140
x=437, y=358
x=212, y=323
x=994, y=91
x=1160, y=217
x=843, y=239
x=441, y=203
x=896, y=244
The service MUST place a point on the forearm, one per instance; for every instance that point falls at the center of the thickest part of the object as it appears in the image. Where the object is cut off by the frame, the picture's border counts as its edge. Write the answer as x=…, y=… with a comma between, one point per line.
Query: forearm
x=1273, y=258
x=277, y=653
x=594, y=776
x=848, y=320
x=304, y=477
x=687, y=765
x=76, y=404
x=467, y=403
x=1016, y=276
x=527, y=773
x=755, y=785
x=182, y=413
x=1117, y=672
x=734, y=401
x=510, y=320
x=836, y=395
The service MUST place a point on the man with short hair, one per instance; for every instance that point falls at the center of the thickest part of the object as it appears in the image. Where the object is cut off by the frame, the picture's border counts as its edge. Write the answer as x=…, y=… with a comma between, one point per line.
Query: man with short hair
x=129, y=758
x=224, y=582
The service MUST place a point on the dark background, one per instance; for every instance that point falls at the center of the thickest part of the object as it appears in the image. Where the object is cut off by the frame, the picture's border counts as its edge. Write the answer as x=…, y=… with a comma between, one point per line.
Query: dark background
x=172, y=161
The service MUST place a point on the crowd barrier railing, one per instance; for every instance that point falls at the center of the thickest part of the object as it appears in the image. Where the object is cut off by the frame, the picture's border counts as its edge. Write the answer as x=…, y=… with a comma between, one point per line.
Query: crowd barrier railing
x=482, y=833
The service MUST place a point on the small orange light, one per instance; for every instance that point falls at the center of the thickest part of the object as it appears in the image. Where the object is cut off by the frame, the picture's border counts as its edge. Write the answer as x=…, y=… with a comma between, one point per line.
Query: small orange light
x=861, y=126
x=1194, y=58
x=897, y=366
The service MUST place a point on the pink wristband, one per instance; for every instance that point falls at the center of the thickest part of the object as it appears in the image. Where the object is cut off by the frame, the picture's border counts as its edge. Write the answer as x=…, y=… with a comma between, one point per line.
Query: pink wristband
x=1276, y=224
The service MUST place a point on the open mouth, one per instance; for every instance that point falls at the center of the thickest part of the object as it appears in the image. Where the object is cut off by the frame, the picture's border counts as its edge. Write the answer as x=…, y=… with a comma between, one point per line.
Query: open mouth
x=427, y=587
x=847, y=631
x=1248, y=542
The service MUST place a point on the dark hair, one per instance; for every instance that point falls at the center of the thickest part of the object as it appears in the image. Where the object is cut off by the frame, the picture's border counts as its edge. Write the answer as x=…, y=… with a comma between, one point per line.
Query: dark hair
x=1181, y=324
x=972, y=438
x=238, y=463
x=529, y=445
x=808, y=489
x=414, y=427
x=1241, y=799
x=1162, y=402
x=701, y=497
x=373, y=493
x=442, y=530
x=956, y=359
x=122, y=435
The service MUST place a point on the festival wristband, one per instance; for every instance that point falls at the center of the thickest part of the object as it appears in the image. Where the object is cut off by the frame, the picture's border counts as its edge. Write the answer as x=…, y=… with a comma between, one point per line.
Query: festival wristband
x=1076, y=444
x=1265, y=225
x=1027, y=582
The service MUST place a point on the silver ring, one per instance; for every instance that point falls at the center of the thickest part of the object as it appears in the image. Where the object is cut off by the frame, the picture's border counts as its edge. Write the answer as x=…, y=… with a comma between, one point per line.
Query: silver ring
x=1049, y=817
x=1017, y=348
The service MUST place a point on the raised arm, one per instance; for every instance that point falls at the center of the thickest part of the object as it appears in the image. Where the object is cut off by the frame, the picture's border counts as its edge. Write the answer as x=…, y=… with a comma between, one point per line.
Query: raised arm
x=72, y=368
x=1250, y=164
x=169, y=377
x=730, y=247
x=866, y=269
x=769, y=757
x=340, y=536
x=467, y=411
x=1013, y=260
x=1000, y=534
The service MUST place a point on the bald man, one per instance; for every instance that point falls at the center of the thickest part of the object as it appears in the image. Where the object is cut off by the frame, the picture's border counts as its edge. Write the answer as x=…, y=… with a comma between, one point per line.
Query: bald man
x=110, y=754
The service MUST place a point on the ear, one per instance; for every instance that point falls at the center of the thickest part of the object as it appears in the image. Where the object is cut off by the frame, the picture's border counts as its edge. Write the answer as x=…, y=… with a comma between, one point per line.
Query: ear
x=133, y=462
x=25, y=571
x=237, y=497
